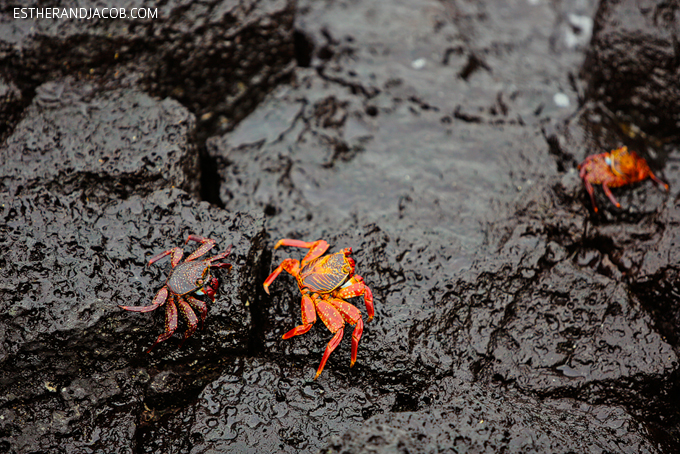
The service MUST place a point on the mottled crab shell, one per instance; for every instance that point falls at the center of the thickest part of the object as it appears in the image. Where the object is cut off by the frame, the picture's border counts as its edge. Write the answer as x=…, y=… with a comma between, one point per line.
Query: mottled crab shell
x=325, y=274
x=188, y=277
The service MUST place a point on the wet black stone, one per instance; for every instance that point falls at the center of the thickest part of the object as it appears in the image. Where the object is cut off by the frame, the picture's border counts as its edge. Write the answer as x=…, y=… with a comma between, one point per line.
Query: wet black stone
x=61, y=324
x=479, y=420
x=631, y=63
x=218, y=58
x=75, y=137
x=11, y=104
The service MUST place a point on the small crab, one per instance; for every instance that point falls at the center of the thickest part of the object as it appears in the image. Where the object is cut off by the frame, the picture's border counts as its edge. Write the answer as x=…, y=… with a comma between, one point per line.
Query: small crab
x=186, y=279
x=325, y=282
x=614, y=169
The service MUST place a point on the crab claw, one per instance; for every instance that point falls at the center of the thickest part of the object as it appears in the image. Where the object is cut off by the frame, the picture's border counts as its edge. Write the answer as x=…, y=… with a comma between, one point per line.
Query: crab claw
x=211, y=288
x=290, y=265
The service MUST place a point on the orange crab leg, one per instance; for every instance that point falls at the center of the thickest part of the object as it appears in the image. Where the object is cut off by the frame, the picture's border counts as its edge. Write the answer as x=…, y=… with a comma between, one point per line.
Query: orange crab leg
x=290, y=265
x=316, y=248
x=308, y=318
x=590, y=189
x=333, y=320
x=170, y=323
x=158, y=301
x=206, y=245
x=357, y=287
x=356, y=337
x=192, y=321
x=608, y=191
x=351, y=315
x=332, y=345
x=657, y=180
x=176, y=253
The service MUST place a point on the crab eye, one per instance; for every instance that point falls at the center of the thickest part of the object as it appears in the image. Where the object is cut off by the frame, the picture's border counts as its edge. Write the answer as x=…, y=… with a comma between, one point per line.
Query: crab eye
x=199, y=282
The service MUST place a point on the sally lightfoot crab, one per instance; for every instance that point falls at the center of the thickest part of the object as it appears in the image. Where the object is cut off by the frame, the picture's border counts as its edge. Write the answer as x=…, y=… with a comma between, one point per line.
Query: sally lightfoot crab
x=614, y=169
x=325, y=282
x=187, y=280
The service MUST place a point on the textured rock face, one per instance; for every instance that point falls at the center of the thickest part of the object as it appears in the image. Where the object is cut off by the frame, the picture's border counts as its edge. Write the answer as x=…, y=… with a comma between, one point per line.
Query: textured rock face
x=218, y=58
x=631, y=64
x=117, y=142
x=67, y=344
x=479, y=420
x=438, y=140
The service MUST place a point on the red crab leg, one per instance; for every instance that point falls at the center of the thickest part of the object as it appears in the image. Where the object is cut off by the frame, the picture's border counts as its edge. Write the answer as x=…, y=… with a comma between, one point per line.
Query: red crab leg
x=358, y=288
x=330, y=316
x=220, y=265
x=610, y=195
x=308, y=318
x=170, y=323
x=220, y=256
x=158, y=301
x=200, y=306
x=290, y=265
x=176, y=256
x=192, y=321
x=206, y=245
x=316, y=248
x=352, y=316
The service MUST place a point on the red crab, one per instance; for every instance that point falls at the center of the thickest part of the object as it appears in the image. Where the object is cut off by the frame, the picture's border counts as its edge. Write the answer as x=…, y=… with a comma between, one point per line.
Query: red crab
x=325, y=282
x=614, y=169
x=186, y=279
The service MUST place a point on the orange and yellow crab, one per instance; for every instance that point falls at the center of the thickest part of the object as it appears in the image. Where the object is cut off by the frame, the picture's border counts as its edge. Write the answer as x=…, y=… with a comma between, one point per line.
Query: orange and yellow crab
x=325, y=282
x=614, y=169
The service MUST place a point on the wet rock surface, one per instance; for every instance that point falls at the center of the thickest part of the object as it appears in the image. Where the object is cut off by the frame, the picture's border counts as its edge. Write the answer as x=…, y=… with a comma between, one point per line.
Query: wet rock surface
x=478, y=420
x=70, y=355
x=218, y=58
x=105, y=143
x=631, y=63
x=440, y=141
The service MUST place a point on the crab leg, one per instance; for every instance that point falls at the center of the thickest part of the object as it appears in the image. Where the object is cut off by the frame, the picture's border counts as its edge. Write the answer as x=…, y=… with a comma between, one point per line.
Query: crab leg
x=206, y=245
x=220, y=265
x=170, y=323
x=220, y=256
x=333, y=320
x=316, y=248
x=332, y=345
x=357, y=287
x=158, y=301
x=192, y=321
x=657, y=180
x=352, y=316
x=290, y=265
x=308, y=318
x=200, y=306
x=608, y=191
x=589, y=188
x=176, y=252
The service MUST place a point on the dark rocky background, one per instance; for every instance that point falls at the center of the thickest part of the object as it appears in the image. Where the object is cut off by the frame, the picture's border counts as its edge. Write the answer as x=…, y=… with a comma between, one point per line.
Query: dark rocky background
x=439, y=139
